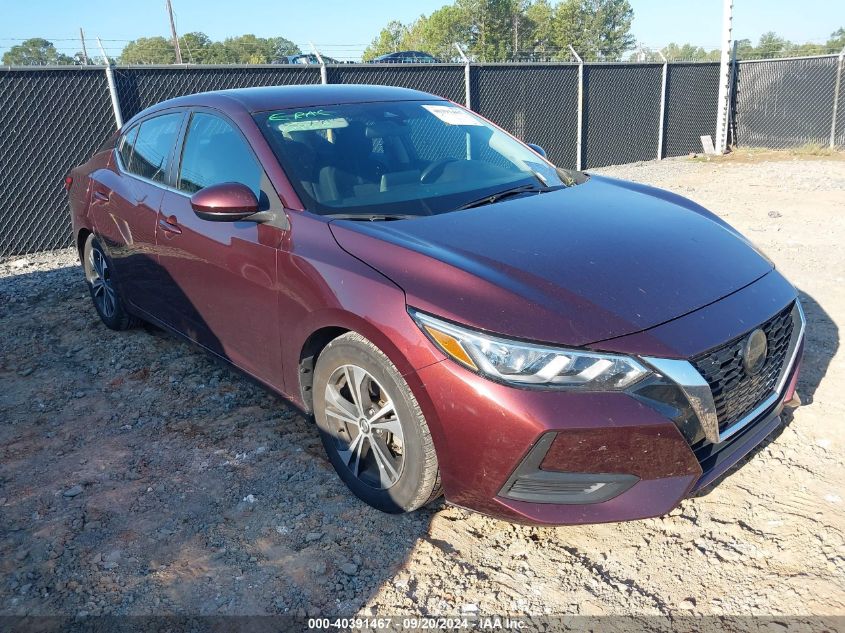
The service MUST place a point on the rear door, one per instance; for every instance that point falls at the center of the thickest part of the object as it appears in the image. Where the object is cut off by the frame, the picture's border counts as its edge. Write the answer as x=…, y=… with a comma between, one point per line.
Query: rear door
x=125, y=202
x=221, y=276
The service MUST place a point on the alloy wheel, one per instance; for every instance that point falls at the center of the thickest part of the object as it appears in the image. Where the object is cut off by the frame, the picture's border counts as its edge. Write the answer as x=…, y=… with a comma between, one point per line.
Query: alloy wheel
x=368, y=434
x=98, y=274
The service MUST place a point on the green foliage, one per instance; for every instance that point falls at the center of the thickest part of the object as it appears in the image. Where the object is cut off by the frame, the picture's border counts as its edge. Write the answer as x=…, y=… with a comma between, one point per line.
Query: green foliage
x=35, y=51
x=837, y=40
x=503, y=30
x=389, y=40
x=689, y=52
x=148, y=50
x=198, y=48
x=771, y=45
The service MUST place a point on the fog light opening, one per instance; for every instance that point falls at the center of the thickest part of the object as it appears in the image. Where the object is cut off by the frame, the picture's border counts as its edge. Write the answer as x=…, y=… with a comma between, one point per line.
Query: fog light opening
x=532, y=484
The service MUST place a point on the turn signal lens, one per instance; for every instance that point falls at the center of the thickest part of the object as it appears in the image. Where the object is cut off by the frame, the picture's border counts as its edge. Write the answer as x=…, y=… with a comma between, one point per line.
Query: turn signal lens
x=451, y=346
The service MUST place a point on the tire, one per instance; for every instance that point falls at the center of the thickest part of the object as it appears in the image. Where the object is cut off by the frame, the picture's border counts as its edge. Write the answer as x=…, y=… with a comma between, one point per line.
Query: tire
x=386, y=456
x=100, y=278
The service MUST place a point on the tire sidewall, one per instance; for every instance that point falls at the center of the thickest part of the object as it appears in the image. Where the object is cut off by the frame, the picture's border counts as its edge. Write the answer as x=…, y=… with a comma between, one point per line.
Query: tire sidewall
x=402, y=495
x=118, y=320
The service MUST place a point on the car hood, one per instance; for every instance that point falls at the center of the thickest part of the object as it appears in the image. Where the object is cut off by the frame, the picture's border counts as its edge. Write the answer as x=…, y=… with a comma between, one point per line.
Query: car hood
x=576, y=266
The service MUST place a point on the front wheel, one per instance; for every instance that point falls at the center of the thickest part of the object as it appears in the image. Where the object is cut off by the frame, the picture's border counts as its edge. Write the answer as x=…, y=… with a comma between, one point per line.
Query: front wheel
x=99, y=274
x=372, y=428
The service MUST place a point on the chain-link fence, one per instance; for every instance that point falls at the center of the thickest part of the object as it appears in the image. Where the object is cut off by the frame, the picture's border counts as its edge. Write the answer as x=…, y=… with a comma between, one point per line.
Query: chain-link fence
x=50, y=121
x=536, y=103
x=691, y=97
x=443, y=80
x=785, y=102
x=53, y=119
x=140, y=87
x=622, y=113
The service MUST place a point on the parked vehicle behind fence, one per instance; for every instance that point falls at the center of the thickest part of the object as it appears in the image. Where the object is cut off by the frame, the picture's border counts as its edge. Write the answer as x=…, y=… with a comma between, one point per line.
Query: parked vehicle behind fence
x=457, y=314
x=406, y=57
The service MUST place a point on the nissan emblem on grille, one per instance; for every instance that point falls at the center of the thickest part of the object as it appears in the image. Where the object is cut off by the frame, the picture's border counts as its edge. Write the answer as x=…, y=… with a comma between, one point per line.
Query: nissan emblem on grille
x=742, y=373
x=754, y=352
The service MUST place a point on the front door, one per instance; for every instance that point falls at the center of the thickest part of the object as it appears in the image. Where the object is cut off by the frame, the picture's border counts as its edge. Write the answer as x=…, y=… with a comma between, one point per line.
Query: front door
x=220, y=277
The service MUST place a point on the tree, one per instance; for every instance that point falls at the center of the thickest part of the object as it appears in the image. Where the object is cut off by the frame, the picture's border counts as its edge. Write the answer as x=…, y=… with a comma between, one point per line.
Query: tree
x=570, y=28
x=771, y=45
x=596, y=29
x=196, y=47
x=538, y=27
x=148, y=50
x=836, y=43
x=438, y=33
x=744, y=49
x=610, y=27
x=35, y=51
x=249, y=49
x=689, y=52
x=389, y=40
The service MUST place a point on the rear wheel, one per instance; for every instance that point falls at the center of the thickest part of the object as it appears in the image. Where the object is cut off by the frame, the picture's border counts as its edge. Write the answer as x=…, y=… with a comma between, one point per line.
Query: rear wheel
x=99, y=274
x=372, y=428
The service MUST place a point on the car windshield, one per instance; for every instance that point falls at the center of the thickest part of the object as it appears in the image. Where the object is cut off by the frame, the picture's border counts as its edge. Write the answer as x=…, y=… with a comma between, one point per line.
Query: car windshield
x=403, y=158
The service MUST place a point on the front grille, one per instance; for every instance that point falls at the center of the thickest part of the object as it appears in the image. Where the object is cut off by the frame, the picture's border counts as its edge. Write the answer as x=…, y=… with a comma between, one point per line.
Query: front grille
x=735, y=393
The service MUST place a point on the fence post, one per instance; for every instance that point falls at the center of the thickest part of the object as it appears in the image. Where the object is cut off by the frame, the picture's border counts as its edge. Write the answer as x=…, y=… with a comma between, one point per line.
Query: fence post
x=836, y=98
x=467, y=89
x=730, y=124
x=324, y=76
x=115, y=103
x=662, y=120
x=580, y=107
x=724, y=79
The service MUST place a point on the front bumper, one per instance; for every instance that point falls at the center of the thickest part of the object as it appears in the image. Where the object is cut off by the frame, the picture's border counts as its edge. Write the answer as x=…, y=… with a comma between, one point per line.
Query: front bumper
x=489, y=435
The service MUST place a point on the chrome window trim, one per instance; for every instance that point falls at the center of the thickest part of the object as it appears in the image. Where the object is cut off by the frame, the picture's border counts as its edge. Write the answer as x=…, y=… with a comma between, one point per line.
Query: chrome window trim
x=700, y=396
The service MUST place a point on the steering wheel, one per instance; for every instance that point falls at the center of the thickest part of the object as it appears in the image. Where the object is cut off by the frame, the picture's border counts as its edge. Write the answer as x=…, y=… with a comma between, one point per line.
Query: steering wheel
x=428, y=174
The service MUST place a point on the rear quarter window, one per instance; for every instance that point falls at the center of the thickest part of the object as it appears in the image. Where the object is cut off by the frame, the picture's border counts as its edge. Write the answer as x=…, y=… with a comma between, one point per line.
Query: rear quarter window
x=126, y=144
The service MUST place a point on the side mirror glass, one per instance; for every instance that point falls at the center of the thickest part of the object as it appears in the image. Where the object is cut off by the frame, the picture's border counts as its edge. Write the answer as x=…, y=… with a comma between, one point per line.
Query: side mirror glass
x=537, y=149
x=225, y=202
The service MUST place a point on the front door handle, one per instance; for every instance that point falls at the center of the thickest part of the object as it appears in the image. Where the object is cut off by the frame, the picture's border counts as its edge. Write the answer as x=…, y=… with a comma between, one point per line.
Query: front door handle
x=170, y=225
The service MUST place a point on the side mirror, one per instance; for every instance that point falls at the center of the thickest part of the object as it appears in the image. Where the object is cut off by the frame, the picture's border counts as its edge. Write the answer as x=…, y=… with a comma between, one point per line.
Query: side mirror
x=225, y=202
x=537, y=149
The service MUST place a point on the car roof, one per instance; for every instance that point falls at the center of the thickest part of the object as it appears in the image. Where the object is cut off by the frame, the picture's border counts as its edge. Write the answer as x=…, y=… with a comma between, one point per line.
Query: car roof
x=279, y=97
x=403, y=53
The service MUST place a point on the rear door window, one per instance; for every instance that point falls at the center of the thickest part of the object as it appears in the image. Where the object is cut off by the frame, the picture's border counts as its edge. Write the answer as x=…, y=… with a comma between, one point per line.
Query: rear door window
x=154, y=141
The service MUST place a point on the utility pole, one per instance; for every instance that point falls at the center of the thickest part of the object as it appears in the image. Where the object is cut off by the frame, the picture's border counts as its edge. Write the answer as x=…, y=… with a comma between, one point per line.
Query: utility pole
x=84, y=50
x=723, y=104
x=173, y=33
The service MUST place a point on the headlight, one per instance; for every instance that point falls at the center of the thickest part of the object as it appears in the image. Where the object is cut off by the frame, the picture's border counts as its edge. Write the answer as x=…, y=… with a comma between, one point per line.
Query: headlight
x=528, y=364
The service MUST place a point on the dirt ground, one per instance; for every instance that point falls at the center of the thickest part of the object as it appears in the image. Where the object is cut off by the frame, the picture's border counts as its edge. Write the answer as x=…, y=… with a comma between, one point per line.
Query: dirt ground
x=140, y=477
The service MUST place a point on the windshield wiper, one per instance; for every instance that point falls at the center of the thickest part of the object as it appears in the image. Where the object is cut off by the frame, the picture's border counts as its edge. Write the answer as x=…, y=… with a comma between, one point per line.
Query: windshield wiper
x=370, y=217
x=507, y=193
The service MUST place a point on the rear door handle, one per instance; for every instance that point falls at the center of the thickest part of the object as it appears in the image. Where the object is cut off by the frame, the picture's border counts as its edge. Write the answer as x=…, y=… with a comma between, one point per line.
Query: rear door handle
x=170, y=225
x=102, y=195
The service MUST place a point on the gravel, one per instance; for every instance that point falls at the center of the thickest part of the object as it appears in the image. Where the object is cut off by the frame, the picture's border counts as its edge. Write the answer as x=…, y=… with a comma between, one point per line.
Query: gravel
x=137, y=476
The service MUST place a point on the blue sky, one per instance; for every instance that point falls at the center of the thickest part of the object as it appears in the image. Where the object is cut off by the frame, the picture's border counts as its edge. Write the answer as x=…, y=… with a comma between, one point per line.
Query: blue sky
x=343, y=27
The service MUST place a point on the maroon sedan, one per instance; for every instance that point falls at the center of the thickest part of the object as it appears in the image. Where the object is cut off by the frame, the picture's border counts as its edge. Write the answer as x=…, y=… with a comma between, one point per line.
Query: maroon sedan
x=458, y=315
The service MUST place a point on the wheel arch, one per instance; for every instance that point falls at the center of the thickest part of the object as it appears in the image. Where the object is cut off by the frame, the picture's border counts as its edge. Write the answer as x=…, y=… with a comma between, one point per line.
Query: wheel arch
x=325, y=326
x=310, y=351
x=81, y=238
